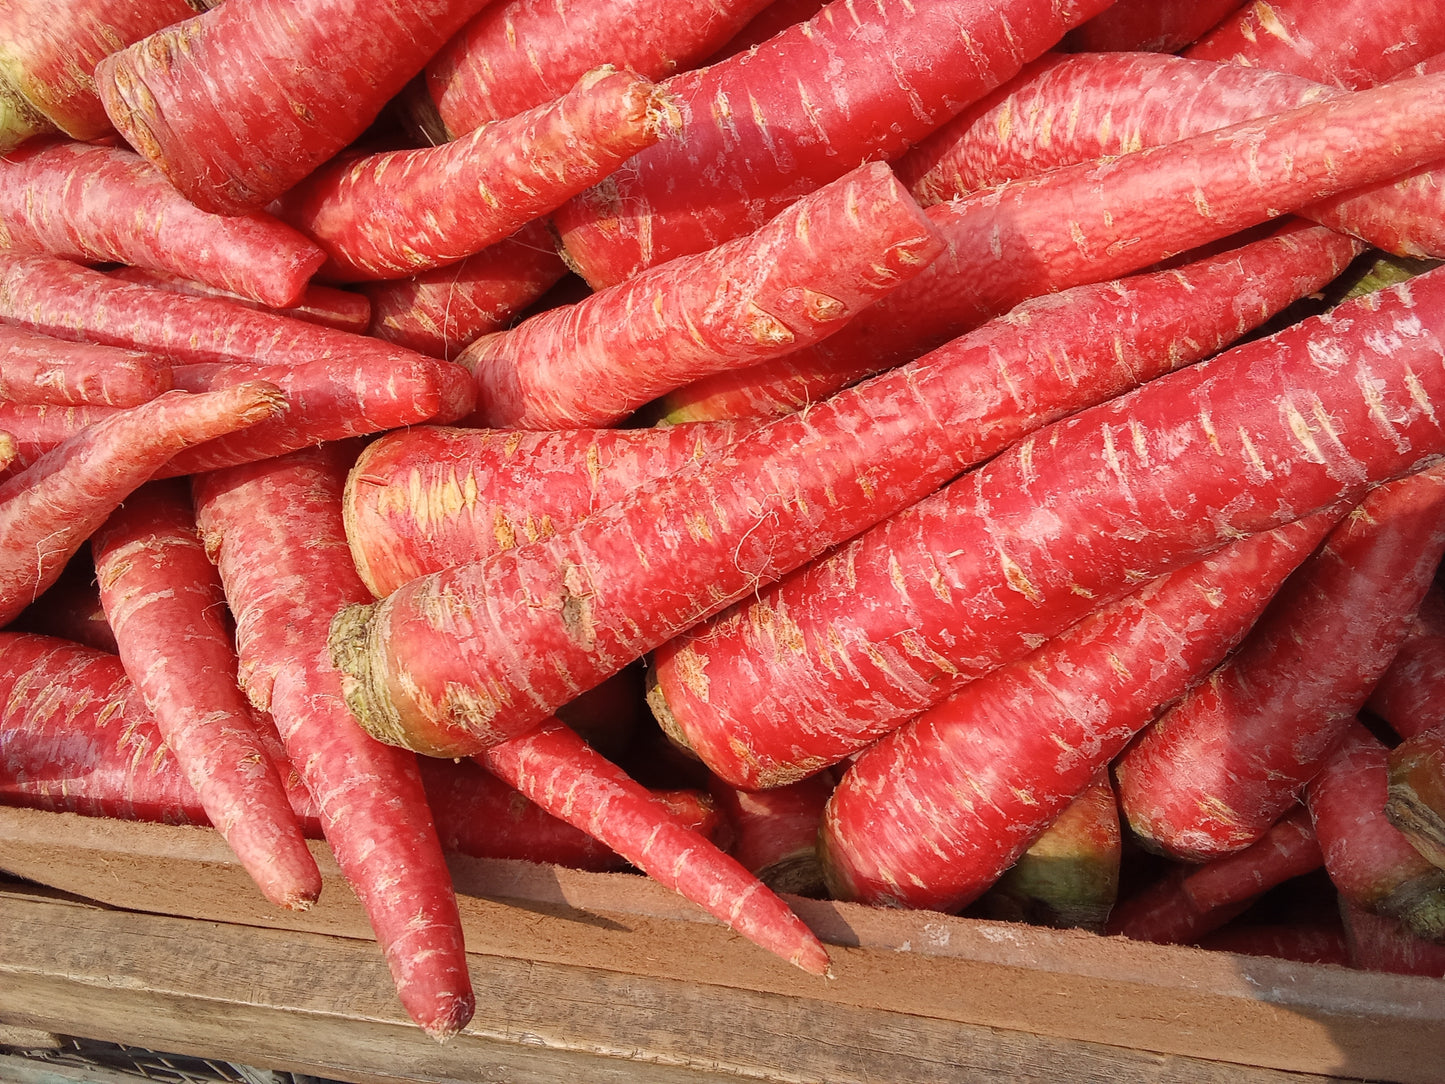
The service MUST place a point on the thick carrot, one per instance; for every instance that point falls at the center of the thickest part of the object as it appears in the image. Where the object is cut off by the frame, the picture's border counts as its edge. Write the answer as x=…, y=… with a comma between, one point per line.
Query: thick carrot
x=1410, y=696
x=558, y=771
x=274, y=530
x=36, y=368
x=517, y=54
x=37, y=428
x=781, y=287
x=238, y=104
x=440, y=312
x=1069, y=109
x=1351, y=44
x=857, y=643
x=345, y=310
x=108, y=204
x=70, y=609
x=1381, y=943
x=19, y=120
x=1370, y=862
x=48, y=510
x=1069, y=876
x=774, y=833
x=164, y=602
x=396, y=213
x=1159, y=26
x=764, y=127
x=820, y=484
x=1161, y=913
x=429, y=497
x=49, y=53
x=1415, y=802
x=1217, y=769
x=932, y=815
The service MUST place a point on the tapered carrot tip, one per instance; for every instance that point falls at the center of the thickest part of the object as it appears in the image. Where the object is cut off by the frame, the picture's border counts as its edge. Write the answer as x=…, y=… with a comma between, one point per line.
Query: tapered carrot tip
x=450, y=1019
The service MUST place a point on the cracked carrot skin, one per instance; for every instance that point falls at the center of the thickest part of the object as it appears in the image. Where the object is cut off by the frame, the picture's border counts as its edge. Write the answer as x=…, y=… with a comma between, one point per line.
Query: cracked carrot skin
x=397, y=213
x=98, y=204
x=238, y=104
x=1064, y=110
x=853, y=645
x=36, y=368
x=426, y=498
x=49, y=509
x=441, y=312
x=762, y=128
x=698, y=531
x=1371, y=862
x=517, y=54
x=75, y=736
x=935, y=812
x=1218, y=768
x=274, y=530
x=783, y=286
x=163, y=599
x=1159, y=26
x=49, y=53
x=566, y=777
x=345, y=310
x=1352, y=44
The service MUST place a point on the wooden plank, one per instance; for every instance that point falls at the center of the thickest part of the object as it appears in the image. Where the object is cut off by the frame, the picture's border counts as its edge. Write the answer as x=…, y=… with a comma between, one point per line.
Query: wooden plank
x=320, y=1004
x=1059, y=984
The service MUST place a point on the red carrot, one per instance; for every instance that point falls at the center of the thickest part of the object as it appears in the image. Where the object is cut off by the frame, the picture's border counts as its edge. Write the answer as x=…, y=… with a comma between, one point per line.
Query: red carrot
x=238, y=104
x=762, y=128
x=345, y=310
x=855, y=644
x=784, y=286
x=1315, y=943
x=440, y=312
x=164, y=601
x=1069, y=876
x=1351, y=44
x=1415, y=802
x=775, y=832
x=1370, y=862
x=426, y=498
x=37, y=428
x=75, y=736
x=98, y=204
x=396, y=213
x=274, y=530
x=557, y=770
x=1411, y=694
x=1160, y=26
x=1216, y=770
x=49, y=509
x=773, y=19
x=49, y=53
x=1288, y=848
x=1381, y=943
x=809, y=479
x=1163, y=914
x=37, y=368
x=19, y=120
x=934, y=813
x=517, y=54
x=70, y=609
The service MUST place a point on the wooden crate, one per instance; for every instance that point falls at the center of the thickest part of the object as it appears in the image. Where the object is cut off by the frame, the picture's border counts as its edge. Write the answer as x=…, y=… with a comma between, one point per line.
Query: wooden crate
x=152, y=936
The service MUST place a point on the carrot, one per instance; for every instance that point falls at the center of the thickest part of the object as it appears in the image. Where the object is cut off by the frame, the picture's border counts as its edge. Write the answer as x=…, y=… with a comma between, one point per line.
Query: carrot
x=37, y=428
x=517, y=54
x=19, y=120
x=163, y=600
x=1161, y=913
x=396, y=213
x=773, y=19
x=77, y=737
x=49, y=53
x=1313, y=943
x=1219, y=767
x=774, y=833
x=426, y=498
x=783, y=286
x=49, y=509
x=969, y=579
x=37, y=368
x=1069, y=876
x=936, y=811
x=70, y=609
x=762, y=128
x=1037, y=123
x=237, y=104
x=440, y=312
x=1352, y=44
x=1381, y=943
x=1289, y=848
x=108, y=204
x=345, y=310
x=1415, y=803
x=274, y=530
x=1410, y=697
x=702, y=525
x=558, y=771
x=1159, y=26
x=1370, y=862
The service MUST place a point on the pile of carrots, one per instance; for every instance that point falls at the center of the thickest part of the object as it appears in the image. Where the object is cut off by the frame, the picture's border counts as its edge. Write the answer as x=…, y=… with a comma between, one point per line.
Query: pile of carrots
x=977, y=456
